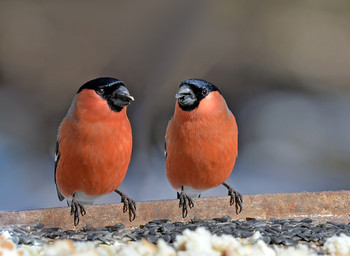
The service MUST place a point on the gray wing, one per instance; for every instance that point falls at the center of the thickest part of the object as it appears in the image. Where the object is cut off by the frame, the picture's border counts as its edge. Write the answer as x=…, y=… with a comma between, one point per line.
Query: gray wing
x=57, y=158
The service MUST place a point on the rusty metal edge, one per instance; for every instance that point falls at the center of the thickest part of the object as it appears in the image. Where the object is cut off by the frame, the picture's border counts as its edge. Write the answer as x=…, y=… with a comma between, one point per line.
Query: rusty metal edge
x=319, y=206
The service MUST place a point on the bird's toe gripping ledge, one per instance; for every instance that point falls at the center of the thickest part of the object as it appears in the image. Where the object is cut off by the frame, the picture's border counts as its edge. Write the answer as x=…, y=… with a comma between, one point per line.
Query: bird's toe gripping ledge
x=319, y=206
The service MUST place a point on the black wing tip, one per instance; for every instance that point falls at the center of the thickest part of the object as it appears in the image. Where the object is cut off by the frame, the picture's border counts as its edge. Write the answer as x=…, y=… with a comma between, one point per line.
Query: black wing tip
x=59, y=195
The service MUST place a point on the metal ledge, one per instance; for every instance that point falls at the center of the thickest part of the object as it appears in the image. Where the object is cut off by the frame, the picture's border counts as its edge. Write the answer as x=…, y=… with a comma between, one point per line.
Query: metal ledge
x=319, y=206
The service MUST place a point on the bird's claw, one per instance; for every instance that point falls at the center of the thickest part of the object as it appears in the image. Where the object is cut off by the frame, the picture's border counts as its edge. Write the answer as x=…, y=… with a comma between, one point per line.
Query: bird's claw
x=235, y=198
x=128, y=205
x=185, y=200
x=125, y=204
x=77, y=207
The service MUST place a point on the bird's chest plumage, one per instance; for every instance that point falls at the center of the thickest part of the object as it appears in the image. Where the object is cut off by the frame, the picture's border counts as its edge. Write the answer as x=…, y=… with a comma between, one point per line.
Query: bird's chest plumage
x=201, y=151
x=96, y=155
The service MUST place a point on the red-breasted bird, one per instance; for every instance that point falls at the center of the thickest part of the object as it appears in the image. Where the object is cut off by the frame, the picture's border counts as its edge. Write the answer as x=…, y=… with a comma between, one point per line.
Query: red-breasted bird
x=94, y=146
x=201, y=143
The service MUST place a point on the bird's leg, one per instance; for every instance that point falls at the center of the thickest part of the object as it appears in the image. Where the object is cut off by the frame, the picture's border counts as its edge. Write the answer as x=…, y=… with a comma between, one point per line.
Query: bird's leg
x=184, y=200
x=236, y=198
x=129, y=204
x=75, y=208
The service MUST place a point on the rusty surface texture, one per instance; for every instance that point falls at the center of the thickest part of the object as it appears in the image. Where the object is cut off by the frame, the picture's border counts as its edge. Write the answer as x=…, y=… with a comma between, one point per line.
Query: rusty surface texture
x=320, y=206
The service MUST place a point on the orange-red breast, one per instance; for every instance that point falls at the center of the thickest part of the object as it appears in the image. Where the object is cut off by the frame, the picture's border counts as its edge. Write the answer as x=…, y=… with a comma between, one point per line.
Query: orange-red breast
x=201, y=143
x=94, y=145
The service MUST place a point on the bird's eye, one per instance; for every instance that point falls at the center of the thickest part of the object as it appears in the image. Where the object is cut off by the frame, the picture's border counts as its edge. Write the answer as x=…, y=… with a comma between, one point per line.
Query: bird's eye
x=100, y=91
x=205, y=92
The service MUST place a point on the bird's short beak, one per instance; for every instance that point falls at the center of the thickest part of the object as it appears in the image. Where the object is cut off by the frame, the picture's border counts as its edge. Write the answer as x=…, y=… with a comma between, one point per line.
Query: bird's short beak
x=185, y=95
x=124, y=94
x=122, y=97
x=183, y=91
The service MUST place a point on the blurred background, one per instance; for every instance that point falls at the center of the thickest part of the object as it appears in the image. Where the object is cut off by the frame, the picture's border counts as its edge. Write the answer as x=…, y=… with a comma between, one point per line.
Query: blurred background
x=282, y=66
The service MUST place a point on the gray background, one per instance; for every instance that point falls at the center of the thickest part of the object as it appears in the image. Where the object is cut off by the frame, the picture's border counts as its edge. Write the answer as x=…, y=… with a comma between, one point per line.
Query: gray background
x=283, y=67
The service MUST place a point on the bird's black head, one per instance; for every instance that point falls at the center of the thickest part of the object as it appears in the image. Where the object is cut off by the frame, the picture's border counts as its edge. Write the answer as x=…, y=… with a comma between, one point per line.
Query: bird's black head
x=192, y=91
x=112, y=90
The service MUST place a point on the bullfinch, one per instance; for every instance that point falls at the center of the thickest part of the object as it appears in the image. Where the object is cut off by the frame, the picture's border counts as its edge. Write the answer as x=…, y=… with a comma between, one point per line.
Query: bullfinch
x=94, y=146
x=200, y=143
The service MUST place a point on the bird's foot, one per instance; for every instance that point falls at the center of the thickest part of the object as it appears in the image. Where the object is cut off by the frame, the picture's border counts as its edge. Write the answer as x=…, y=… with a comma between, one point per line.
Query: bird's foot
x=129, y=204
x=184, y=201
x=76, y=207
x=235, y=198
